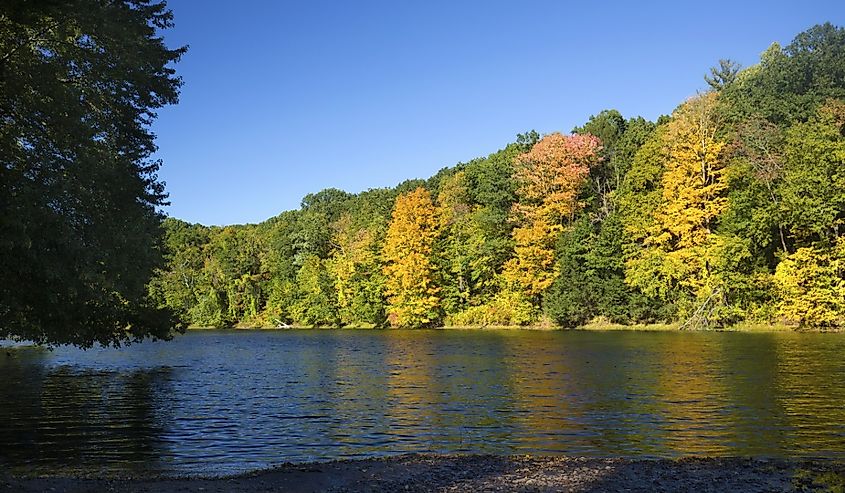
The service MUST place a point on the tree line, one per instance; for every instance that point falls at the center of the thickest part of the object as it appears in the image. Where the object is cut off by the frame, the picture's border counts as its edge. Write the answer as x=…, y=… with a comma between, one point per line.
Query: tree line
x=730, y=209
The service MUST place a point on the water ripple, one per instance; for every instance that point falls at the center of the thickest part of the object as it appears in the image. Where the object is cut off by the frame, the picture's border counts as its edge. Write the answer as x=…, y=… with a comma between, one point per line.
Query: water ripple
x=221, y=402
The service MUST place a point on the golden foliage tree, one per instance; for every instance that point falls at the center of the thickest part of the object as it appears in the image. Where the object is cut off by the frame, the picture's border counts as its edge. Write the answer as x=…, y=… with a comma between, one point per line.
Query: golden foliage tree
x=549, y=177
x=681, y=247
x=412, y=294
x=693, y=185
x=811, y=285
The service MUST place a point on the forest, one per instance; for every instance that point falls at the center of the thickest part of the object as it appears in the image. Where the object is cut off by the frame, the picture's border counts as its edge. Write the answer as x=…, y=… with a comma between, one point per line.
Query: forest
x=729, y=210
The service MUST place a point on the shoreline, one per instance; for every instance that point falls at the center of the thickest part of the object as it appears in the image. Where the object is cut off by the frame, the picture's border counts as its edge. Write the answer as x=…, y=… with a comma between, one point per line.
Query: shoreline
x=435, y=472
x=744, y=327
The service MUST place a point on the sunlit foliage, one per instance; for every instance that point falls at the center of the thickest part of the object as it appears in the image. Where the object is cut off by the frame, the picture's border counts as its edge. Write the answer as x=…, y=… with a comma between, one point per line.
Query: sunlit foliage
x=549, y=178
x=413, y=299
x=730, y=209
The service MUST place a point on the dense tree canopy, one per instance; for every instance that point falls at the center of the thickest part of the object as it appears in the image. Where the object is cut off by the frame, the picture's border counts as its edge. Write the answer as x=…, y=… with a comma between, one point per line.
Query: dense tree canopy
x=80, y=83
x=731, y=208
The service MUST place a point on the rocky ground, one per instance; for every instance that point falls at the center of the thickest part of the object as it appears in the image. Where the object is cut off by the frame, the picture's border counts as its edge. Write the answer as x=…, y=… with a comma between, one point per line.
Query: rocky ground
x=442, y=473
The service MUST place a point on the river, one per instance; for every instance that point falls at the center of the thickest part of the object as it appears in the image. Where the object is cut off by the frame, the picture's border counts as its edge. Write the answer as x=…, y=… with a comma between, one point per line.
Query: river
x=216, y=402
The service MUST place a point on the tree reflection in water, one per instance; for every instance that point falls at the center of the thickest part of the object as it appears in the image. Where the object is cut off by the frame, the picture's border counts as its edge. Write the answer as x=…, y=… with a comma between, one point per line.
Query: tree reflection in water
x=226, y=401
x=65, y=419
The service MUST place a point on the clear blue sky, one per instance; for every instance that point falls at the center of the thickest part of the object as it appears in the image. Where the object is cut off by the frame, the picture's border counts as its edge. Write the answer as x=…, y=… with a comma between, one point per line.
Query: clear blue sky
x=284, y=98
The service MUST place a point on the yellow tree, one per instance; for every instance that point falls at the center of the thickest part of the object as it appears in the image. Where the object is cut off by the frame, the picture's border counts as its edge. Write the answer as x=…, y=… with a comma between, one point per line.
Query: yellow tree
x=412, y=294
x=549, y=177
x=681, y=247
x=811, y=285
x=693, y=185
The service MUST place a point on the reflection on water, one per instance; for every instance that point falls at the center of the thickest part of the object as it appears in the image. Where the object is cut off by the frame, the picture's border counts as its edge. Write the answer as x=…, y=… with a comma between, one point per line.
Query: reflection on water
x=219, y=402
x=81, y=418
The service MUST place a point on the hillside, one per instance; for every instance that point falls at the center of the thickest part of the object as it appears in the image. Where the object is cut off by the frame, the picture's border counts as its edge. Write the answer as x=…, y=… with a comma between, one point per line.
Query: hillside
x=730, y=209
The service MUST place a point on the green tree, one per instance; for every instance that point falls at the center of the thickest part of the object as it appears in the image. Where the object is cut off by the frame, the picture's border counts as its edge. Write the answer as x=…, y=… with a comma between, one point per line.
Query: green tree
x=453, y=249
x=606, y=175
x=492, y=193
x=79, y=86
x=176, y=286
x=590, y=255
x=357, y=272
x=755, y=171
x=723, y=75
x=317, y=302
x=813, y=186
x=790, y=83
x=234, y=267
x=312, y=236
x=279, y=233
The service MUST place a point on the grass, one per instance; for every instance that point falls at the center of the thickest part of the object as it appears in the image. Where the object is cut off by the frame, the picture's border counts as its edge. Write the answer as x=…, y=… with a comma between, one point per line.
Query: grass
x=602, y=325
x=761, y=327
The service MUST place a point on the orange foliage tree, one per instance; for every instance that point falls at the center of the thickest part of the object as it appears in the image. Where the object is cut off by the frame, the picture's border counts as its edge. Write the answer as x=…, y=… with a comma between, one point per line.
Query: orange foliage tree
x=549, y=177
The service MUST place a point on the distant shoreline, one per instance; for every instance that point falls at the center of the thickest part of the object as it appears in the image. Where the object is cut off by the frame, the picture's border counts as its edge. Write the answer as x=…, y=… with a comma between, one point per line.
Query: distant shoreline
x=433, y=472
x=592, y=327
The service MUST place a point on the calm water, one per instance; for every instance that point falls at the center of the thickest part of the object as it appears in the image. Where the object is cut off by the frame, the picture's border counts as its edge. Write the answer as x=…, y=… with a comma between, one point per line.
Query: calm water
x=220, y=402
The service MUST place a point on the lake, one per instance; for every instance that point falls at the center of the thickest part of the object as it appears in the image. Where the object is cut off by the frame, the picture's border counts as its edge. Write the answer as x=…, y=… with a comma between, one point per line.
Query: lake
x=216, y=402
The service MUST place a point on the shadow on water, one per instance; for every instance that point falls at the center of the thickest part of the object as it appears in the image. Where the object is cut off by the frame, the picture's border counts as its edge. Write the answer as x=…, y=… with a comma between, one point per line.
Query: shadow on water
x=65, y=420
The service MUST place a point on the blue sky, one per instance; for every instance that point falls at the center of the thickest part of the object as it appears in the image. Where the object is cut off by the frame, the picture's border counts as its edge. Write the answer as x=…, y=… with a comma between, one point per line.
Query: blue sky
x=285, y=98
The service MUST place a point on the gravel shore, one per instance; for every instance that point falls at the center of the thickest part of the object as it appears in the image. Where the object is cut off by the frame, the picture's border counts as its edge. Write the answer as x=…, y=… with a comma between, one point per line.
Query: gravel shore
x=449, y=473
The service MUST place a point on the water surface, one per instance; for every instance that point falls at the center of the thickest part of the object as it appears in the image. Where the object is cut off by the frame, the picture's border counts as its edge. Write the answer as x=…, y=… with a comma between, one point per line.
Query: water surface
x=215, y=402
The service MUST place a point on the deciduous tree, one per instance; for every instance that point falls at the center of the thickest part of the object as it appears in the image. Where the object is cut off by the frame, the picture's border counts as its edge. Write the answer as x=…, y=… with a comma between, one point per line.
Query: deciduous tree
x=413, y=299
x=549, y=178
x=80, y=83
x=676, y=250
x=813, y=186
x=811, y=285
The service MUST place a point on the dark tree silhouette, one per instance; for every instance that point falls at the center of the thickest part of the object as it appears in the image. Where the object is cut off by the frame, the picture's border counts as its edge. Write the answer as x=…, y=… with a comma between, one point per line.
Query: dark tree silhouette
x=80, y=82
